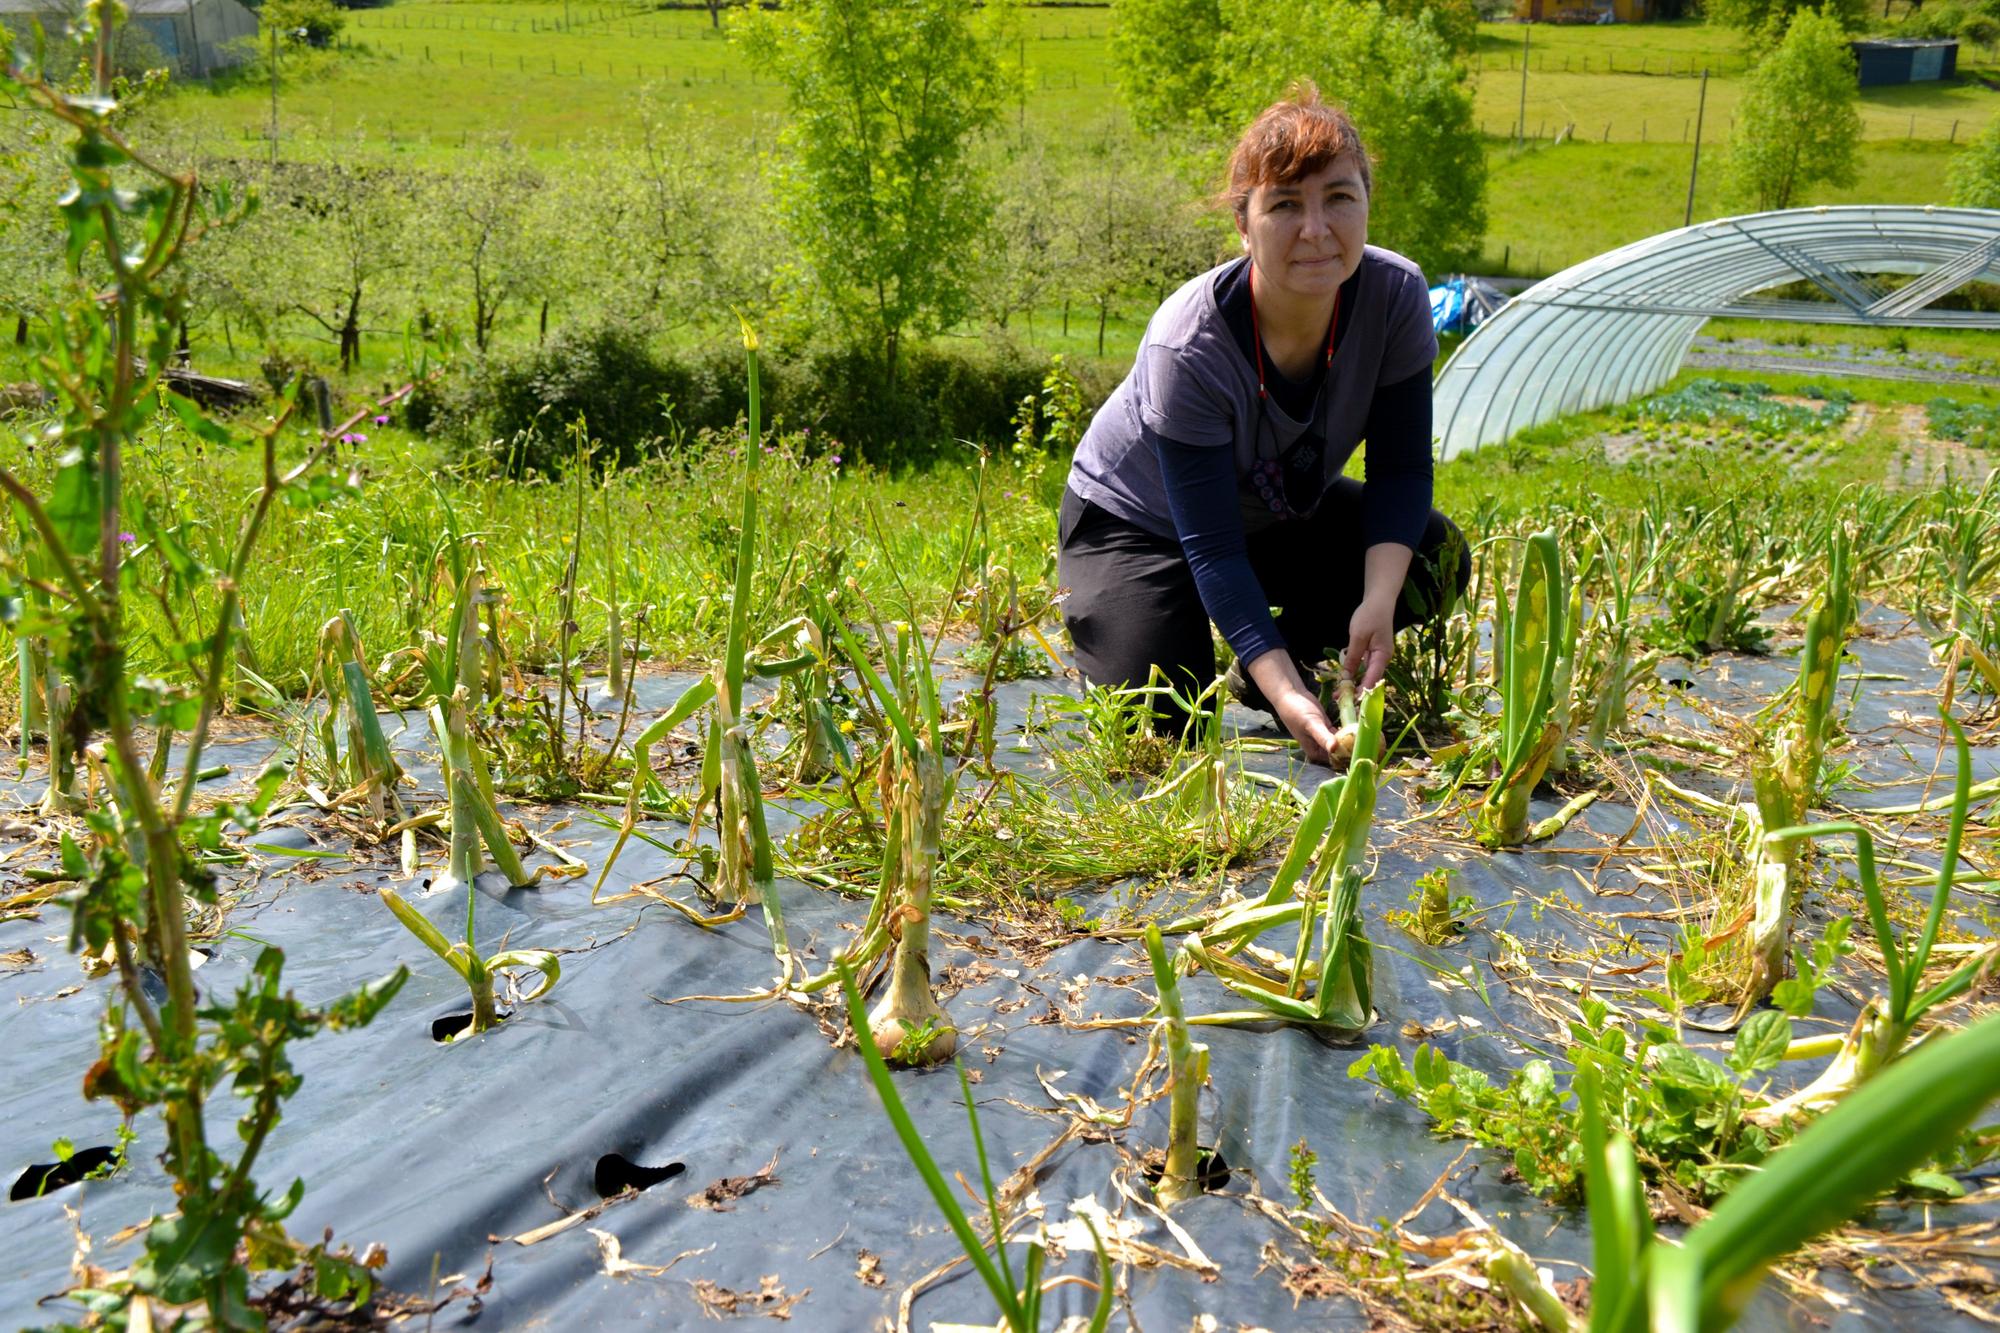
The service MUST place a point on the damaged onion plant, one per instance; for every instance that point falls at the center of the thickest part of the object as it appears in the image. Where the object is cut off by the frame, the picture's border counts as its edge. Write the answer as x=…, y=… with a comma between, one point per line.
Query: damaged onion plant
x=1786, y=776
x=1315, y=891
x=129, y=221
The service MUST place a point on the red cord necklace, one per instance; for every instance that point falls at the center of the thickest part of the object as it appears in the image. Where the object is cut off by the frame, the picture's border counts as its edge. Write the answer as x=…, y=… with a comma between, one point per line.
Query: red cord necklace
x=1257, y=336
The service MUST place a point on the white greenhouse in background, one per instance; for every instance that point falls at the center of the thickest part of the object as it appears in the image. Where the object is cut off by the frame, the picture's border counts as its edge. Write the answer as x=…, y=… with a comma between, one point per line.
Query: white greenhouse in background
x=1617, y=326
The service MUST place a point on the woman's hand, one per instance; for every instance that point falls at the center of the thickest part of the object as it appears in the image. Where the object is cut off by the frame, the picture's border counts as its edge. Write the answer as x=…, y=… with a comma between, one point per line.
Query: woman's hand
x=1371, y=640
x=1371, y=633
x=1277, y=676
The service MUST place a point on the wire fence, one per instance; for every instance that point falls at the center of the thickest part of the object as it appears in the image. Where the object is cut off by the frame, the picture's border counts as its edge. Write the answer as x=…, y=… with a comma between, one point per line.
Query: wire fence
x=674, y=25
x=560, y=66
x=1670, y=129
x=1665, y=64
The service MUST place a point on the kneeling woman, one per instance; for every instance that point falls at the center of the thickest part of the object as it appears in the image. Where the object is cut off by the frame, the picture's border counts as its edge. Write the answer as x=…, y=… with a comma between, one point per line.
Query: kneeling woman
x=1209, y=486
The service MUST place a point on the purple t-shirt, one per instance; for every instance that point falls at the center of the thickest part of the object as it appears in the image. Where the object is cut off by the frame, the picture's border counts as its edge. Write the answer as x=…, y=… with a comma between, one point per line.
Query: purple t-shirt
x=1192, y=384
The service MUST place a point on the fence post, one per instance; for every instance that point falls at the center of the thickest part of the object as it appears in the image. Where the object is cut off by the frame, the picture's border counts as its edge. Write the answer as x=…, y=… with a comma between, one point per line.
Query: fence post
x=1954, y=133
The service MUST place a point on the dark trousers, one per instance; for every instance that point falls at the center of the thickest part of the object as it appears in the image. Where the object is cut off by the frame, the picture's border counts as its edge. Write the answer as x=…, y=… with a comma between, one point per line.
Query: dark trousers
x=1132, y=602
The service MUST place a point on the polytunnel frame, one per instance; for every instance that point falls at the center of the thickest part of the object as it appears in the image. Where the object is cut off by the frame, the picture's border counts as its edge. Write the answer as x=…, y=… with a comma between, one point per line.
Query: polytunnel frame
x=1619, y=325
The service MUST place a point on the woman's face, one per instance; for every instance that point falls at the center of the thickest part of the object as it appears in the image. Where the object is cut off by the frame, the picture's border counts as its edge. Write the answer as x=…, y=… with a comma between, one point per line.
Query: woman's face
x=1305, y=236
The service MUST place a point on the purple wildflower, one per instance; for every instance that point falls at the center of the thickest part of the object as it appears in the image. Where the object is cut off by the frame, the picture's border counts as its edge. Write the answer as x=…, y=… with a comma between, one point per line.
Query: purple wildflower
x=127, y=538
x=382, y=419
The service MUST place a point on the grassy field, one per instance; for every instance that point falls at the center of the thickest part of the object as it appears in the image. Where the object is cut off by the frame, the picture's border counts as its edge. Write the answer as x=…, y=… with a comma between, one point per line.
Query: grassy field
x=421, y=79
x=1553, y=205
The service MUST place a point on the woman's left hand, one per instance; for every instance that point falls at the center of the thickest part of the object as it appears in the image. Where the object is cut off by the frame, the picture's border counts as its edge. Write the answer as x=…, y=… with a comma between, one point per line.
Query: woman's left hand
x=1371, y=639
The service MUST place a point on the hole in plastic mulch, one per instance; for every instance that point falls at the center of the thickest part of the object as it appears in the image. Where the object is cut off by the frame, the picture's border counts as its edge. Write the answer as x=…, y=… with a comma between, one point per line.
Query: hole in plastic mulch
x=45, y=1178
x=617, y=1173
x=1211, y=1169
x=448, y=1029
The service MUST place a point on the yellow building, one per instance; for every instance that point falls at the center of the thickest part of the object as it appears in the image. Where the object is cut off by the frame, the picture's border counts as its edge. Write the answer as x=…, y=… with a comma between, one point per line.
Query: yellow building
x=1583, y=11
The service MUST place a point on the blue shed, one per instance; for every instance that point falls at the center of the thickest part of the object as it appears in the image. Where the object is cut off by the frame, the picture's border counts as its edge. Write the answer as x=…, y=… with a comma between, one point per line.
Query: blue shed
x=1906, y=60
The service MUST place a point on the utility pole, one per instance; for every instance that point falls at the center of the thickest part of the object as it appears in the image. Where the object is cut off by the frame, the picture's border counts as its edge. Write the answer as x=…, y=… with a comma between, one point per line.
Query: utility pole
x=1694, y=167
x=1521, y=123
x=271, y=29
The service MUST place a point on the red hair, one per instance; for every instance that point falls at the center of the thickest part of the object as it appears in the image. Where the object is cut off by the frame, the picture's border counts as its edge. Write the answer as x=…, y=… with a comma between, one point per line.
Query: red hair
x=1291, y=139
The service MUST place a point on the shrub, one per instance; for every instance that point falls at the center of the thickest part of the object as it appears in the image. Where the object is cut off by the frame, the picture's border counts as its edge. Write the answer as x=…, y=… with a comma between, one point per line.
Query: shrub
x=313, y=22
x=639, y=400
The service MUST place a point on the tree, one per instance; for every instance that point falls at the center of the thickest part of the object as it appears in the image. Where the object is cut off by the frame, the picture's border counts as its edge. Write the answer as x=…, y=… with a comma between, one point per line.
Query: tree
x=1797, y=125
x=485, y=243
x=1975, y=175
x=353, y=229
x=1764, y=23
x=1165, y=53
x=1029, y=249
x=1456, y=21
x=1429, y=200
x=877, y=185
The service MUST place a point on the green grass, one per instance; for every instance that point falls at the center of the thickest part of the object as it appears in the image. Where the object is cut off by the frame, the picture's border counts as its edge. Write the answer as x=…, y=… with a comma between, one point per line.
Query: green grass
x=1553, y=205
x=427, y=76
x=424, y=78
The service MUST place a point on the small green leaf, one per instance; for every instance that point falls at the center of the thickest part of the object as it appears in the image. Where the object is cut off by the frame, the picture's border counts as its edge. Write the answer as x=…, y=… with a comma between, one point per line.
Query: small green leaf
x=1761, y=1043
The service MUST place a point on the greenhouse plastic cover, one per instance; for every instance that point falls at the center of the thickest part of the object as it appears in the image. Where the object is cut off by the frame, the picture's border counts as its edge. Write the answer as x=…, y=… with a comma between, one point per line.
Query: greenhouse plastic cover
x=1612, y=328
x=444, y=1154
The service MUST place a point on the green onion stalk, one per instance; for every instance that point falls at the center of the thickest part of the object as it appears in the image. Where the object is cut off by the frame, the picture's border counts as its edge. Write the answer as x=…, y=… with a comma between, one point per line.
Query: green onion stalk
x=1317, y=884
x=1202, y=788
x=1785, y=778
x=1187, y=1070
x=46, y=699
x=916, y=787
x=1019, y=1302
x=1532, y=633
x=1613, y=638
x=614, y=647
x=1562, y=697
x=1889, y=1022
x=477, y=973
x=354, y=753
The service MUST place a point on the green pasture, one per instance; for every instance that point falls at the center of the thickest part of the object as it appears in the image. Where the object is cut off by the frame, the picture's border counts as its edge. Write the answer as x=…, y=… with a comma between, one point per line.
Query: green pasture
x=424, y=78
x=1552, y=205
x=428, y=74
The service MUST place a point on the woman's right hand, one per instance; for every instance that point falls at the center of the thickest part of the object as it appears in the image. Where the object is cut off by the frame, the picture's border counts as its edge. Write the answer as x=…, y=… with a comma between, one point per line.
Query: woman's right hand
x=1295, y=706
x=1302, y=716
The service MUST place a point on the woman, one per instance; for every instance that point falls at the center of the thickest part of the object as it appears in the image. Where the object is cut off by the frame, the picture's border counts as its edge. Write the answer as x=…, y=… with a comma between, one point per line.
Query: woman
x=1209, y=487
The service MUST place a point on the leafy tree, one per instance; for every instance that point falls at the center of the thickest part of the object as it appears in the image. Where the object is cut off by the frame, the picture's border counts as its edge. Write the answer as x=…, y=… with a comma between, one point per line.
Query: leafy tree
x=31, y=239
x=352, y=224
x=1429, y=200
x=1456, y=21
x=1975, y=175
x=683, y=229
x=1764, y=23
x=877, y=186
x=485, y=241
x=1797, y=125
x=1165, y=53
x=1026, y=255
